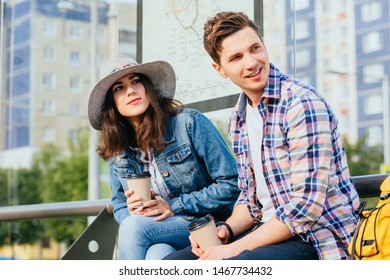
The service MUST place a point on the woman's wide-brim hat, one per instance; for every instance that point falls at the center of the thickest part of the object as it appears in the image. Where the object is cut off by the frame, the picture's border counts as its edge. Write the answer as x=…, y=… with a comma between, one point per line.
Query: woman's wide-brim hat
x=160, y=73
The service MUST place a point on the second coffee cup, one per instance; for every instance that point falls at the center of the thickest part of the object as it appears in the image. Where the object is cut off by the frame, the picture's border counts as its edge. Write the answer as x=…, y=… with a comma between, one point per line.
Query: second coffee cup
x=141, y=185
x=204, y=231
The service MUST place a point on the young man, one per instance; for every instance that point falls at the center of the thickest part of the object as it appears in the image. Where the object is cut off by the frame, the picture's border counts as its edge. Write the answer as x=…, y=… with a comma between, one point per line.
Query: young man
x=297, y=198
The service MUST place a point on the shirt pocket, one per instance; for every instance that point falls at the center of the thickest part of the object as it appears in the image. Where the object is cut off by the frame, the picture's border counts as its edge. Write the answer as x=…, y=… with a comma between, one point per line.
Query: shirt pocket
x=275, y=151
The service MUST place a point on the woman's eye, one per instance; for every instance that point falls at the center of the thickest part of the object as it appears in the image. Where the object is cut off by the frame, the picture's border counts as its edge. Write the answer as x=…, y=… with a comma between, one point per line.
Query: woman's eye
x=135, y=81
x=115, y=89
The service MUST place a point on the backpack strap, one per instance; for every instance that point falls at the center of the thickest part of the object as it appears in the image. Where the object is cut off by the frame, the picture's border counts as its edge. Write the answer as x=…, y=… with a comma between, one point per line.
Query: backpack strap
x=359, y=212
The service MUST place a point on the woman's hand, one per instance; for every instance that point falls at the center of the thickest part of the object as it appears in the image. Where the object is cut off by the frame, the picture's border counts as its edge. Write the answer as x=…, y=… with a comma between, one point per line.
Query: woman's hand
x=154, y=207
x=159, y=208
x=134, y=203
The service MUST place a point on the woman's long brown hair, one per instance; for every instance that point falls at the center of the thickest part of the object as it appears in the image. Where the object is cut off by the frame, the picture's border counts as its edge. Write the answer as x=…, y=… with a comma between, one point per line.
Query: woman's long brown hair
x=117, y=134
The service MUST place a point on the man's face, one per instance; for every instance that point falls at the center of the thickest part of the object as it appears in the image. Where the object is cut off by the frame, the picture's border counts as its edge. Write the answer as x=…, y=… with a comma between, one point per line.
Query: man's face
x=244, y=59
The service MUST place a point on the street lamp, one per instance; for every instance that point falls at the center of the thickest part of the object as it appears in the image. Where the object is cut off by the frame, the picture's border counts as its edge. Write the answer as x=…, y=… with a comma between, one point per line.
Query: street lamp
x=384, y=79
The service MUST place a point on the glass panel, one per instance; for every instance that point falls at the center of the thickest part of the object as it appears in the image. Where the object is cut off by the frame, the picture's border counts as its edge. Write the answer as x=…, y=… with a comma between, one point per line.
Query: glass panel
x=51, y=52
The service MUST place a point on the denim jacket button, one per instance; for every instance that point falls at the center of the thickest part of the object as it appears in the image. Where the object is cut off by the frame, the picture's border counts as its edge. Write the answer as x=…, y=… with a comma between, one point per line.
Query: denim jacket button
x=165, y=173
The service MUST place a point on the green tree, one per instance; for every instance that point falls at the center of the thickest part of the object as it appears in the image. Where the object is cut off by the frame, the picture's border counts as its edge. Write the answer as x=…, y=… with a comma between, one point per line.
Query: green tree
x=3, y=188
x=64, y=178
x=28, y=192
x=20, y=187
x=3, y=202
x=362, y=159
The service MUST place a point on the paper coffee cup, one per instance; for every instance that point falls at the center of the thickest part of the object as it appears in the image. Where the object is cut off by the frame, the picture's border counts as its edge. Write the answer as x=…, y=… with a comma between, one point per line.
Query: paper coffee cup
x=204, y=231
x=141, y=185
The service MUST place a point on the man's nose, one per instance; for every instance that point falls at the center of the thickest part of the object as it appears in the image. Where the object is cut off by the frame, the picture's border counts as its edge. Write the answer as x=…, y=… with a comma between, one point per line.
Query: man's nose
x=250, y=61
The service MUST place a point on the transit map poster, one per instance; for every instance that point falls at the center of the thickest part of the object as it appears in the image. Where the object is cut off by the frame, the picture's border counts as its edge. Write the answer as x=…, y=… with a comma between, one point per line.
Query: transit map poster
x=172, y=30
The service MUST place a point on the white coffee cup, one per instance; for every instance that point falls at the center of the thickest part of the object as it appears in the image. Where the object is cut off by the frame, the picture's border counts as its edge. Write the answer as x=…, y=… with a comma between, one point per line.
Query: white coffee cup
x=141, y=185
x=204, y=231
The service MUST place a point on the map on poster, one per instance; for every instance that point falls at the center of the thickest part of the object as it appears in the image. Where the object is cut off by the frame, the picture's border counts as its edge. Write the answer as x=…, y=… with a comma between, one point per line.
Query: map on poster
x=172, y=30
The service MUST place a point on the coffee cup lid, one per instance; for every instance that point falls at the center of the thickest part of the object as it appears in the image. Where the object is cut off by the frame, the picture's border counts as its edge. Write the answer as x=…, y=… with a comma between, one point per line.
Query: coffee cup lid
x=198, y=223
x=135, y=176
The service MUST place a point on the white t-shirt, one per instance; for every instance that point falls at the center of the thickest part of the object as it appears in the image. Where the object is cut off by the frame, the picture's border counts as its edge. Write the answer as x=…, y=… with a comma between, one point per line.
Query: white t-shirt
x=254, y=124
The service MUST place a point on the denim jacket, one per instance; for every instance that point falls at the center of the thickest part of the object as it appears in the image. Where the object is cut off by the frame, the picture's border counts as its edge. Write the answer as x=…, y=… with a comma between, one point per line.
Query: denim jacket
x=196, y=165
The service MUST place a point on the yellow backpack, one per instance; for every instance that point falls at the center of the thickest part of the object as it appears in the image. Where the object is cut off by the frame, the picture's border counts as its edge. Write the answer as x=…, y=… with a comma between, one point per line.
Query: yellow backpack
x=371, y=239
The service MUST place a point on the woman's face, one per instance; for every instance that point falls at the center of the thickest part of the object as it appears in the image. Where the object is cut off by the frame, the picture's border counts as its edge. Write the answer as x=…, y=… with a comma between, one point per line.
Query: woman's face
x=130, y=98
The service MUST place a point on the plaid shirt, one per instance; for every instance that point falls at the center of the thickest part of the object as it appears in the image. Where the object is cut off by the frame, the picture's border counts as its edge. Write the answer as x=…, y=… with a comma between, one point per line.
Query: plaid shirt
x=304, y=165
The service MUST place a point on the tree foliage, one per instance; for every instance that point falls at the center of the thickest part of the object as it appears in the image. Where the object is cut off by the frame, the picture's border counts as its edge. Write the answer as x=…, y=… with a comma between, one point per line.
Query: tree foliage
x=55, y=176
x=65, y=178
x=21, y=187
x=362, y=159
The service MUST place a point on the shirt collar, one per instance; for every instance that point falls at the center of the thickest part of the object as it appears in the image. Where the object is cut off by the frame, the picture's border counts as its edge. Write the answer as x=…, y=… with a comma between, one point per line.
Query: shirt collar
x=271, y=90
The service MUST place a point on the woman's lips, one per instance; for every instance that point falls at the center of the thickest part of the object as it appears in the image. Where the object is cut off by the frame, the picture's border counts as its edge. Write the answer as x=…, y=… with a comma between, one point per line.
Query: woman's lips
x=134, y=101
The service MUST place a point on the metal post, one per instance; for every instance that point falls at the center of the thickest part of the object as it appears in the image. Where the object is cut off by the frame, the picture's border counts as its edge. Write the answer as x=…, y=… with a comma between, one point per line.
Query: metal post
x=386, y=119
x=93, y=158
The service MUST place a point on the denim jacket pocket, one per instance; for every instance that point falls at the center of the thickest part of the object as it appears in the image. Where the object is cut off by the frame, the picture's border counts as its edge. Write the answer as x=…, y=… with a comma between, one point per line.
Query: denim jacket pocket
x=183, y=164
x=179, y=155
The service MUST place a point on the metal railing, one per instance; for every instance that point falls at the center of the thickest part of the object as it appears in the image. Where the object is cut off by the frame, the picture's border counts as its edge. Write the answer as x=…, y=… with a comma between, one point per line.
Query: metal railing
x=99, y=239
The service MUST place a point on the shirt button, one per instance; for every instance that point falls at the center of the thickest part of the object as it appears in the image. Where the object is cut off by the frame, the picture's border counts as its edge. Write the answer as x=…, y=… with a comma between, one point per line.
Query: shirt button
x=165, y=173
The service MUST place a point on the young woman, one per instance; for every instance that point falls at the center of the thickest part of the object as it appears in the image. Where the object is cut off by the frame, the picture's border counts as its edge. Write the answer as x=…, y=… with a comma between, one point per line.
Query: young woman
x=143, y=129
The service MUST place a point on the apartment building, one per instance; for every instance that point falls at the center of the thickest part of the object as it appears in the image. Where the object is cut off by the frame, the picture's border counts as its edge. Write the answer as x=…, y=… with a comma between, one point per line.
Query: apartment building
x=52, y=53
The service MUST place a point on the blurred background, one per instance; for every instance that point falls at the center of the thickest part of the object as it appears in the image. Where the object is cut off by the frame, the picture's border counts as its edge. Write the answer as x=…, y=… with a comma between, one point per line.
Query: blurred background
x=51, y=51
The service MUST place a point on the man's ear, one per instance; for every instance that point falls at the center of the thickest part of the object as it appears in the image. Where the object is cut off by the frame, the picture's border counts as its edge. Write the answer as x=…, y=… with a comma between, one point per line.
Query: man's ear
x=219, y=70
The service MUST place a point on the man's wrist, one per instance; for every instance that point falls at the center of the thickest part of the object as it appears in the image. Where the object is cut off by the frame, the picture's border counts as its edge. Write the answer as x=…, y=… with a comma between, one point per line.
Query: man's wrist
x=230, y=230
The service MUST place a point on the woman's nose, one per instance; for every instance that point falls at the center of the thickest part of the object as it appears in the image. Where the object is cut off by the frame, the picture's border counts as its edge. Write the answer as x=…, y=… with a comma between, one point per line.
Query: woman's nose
x=130, y=91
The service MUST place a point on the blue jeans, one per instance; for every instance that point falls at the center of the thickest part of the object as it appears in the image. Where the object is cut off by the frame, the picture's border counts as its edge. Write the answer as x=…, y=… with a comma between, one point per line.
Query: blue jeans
x=142, y=238
x=292, y=249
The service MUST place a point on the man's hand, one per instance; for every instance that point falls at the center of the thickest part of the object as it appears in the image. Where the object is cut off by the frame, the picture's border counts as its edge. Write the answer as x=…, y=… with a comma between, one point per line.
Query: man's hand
x=220, y=252
x=222, y=233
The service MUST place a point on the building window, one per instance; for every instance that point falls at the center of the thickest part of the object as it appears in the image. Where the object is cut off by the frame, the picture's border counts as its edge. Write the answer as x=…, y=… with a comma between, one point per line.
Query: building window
x=73, y=136
x=373, y=73
x=74, y=58
x=101, y=36
x=75, y=85
x=48, y=80
x=74, y=109
x=127, y=36
x=49, y=29
x=371, y=104
x=340, y=5
x=48, y=134
x=302, y=29
x=303, y=58
x=374, y=136
x=300, y=5
x=372, y=42
x=371, y=11
x=75, y=33
x=48, y=107
x=48, y=54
